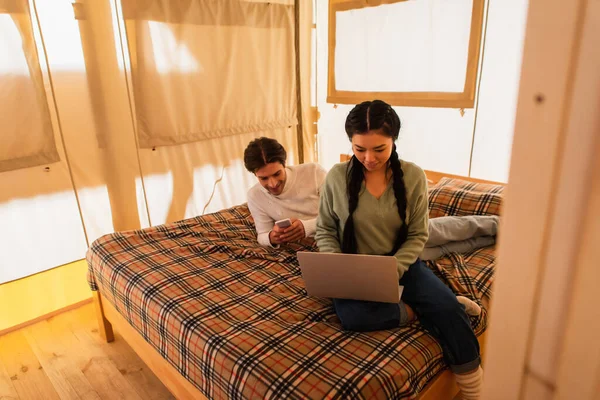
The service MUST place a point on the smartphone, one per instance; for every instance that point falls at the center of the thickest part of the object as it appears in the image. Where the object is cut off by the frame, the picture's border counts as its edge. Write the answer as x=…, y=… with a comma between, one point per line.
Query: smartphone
x=284, y=223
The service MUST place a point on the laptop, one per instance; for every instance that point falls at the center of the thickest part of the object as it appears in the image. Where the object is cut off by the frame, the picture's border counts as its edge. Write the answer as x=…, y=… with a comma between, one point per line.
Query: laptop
x=350, y=276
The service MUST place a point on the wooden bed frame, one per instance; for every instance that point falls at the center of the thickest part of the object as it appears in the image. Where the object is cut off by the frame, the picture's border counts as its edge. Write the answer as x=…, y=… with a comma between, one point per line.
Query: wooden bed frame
x=442, y=387
x=434, y=177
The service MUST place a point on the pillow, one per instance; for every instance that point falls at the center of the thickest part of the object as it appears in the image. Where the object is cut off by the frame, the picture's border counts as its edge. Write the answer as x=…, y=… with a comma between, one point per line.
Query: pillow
x=458, y=197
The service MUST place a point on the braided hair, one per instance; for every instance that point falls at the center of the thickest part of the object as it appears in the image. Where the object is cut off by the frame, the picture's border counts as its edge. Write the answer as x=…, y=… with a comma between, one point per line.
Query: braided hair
x=365, y=117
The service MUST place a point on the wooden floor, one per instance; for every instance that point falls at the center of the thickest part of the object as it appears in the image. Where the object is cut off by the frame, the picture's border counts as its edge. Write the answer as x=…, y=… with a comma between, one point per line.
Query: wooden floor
x=64, y=358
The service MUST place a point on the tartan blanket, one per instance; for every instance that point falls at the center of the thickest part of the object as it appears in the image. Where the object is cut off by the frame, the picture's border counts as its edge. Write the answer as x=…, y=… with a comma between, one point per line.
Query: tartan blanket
x=234, y=319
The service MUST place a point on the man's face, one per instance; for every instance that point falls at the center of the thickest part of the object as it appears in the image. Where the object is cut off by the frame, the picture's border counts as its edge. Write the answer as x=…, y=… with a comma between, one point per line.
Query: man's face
x=272, y=177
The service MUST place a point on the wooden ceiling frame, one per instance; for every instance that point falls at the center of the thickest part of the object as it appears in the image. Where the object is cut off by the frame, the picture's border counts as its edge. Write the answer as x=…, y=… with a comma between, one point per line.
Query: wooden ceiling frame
x=464, y=99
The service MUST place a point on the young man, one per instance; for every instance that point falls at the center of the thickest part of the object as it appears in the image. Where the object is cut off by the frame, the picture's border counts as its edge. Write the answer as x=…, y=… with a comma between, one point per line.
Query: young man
x=282, y=192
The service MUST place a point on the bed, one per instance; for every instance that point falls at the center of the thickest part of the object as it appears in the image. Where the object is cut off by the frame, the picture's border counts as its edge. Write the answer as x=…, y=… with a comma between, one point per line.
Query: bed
x=215, y=315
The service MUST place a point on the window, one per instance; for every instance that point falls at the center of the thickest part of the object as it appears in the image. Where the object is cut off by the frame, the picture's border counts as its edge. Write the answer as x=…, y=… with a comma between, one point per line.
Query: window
x=408, y=53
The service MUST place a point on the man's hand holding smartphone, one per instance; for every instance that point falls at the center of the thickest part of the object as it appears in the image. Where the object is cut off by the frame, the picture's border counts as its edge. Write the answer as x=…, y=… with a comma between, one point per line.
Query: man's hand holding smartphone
x=287, y=230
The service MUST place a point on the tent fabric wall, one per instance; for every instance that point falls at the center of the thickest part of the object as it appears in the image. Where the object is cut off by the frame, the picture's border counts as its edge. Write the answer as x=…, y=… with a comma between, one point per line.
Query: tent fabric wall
x=202, y=177
x=105, y=181
x=307, y=113
x=39, y=215
x=204, y=69
x=448, y=140
x=27, y=133
x=499, y=90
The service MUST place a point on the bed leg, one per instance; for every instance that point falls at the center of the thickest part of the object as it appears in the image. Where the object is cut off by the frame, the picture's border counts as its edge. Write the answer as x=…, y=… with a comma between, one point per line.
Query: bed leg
x=104, y=327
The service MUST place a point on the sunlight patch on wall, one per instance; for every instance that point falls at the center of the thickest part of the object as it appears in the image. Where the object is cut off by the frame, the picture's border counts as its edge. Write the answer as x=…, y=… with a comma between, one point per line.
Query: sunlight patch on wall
x=159, y=190
x=169, y=55
x=141, y=203
x=12, y=57
x=99, y=222
x=61, y=35
x=229, y=191
x=52, y=225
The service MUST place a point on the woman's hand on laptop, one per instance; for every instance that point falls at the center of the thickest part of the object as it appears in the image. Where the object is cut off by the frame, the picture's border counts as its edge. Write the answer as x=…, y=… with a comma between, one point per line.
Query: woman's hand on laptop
x=292, y=233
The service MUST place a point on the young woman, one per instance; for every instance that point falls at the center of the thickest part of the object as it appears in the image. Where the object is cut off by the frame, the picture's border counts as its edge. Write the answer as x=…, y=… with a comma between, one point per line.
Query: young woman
x=377, y=204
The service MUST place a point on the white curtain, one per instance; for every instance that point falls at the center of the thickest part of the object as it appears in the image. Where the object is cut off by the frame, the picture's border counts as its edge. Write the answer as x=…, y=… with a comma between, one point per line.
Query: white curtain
x=205, y=69
x=27, y=137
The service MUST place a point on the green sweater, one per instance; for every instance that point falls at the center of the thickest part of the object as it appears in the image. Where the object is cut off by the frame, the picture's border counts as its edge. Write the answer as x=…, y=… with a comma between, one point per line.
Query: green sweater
x=376, y=221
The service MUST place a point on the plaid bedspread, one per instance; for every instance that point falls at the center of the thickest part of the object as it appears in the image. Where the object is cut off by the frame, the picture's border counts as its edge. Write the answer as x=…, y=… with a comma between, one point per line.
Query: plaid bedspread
x=234, y=318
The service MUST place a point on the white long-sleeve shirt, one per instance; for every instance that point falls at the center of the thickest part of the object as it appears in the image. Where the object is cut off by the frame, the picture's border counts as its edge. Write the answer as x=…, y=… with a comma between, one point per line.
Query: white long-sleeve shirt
x=299, y=199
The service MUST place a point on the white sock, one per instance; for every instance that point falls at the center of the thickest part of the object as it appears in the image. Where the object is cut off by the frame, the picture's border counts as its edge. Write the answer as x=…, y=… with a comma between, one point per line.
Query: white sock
x=471, y=307
x=470, y=384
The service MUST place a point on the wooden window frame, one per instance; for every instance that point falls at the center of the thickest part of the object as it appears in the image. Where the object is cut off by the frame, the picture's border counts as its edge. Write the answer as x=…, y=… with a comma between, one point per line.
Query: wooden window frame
x=464, y=99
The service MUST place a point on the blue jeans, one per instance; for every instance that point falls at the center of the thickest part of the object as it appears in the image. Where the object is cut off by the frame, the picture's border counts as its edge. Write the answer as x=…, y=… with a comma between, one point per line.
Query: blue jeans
x=436, y=307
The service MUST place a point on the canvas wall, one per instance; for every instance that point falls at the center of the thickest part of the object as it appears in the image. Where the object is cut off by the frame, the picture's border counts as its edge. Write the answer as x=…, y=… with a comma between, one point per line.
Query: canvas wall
x=438, y=139
x=106, y=179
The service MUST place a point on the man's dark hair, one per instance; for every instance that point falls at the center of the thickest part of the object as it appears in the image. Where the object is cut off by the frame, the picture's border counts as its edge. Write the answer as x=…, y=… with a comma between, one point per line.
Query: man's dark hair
x=263, y=151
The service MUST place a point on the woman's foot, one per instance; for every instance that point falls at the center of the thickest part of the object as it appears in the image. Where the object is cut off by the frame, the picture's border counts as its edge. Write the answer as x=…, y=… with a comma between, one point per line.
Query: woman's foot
x=471, y=307
x=470, y=384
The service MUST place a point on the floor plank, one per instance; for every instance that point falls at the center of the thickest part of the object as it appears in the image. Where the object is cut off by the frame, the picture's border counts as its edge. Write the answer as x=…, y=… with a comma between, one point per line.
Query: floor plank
x=64, y=357
x=139, y=376
x=27, y=374
x=7, y=389
x=96, y=366
x=50, y=349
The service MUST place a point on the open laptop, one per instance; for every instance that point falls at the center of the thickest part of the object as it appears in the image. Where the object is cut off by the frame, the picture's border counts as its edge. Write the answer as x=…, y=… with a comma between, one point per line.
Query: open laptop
x=350, y=276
